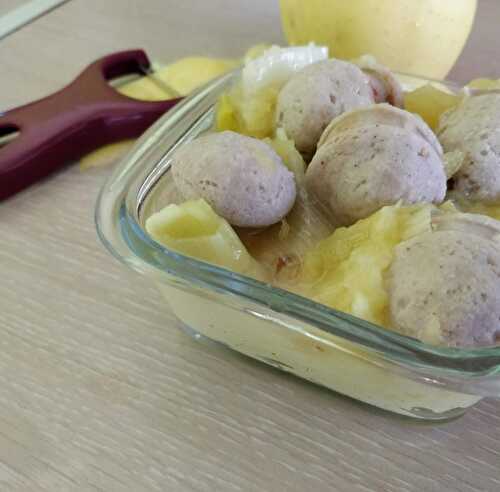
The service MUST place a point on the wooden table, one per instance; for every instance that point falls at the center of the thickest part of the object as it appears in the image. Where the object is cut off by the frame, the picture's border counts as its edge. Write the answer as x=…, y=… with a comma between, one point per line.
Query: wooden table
x=99, y=392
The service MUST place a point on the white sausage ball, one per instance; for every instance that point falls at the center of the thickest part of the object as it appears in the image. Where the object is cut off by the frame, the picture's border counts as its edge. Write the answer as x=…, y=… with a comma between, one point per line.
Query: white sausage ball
x=444, y=285
x=360, y=170
x=317, y=94
x=242, y=178
x=473, y=128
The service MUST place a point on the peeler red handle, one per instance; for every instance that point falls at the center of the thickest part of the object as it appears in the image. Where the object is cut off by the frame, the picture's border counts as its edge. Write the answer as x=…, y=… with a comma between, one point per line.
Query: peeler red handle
x=84, y=115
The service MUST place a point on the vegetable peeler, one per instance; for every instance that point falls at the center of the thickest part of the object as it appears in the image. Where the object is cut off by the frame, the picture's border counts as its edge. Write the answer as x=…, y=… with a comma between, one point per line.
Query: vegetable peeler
x=81, y=117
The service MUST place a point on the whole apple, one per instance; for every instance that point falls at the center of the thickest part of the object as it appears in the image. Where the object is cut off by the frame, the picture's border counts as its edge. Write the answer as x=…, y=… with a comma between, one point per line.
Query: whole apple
x=422, y=37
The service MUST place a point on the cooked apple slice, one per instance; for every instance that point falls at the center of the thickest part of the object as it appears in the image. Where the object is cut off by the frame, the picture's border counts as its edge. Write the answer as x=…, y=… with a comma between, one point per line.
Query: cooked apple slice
x=194, y=229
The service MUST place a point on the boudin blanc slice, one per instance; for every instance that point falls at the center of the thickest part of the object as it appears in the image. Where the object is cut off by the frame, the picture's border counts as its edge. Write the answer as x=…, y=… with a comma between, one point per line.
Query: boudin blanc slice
x=242, y=178
x=473, y=128
x=326, y=89
x=474, y=114
x=316, y=95
x=444, y=286
x=362, y=168
x=382, y=114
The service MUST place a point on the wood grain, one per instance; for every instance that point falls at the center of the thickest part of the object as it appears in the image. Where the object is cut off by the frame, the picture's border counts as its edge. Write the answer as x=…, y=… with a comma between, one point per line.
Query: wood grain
x=99, y=391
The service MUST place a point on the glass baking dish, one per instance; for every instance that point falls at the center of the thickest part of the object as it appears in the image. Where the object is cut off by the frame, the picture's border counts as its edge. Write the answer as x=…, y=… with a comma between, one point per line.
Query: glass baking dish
x=287, y=331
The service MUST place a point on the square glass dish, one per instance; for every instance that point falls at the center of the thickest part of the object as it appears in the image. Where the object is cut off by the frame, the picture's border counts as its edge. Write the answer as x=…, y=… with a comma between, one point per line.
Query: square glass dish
x=285, y=330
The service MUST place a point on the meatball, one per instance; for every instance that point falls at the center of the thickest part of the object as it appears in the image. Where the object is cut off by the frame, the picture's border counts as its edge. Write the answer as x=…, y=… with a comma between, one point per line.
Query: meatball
x=474, y=114
x=444, y=285
x=473, y=128
x=366, y=165
x=382, y=114
x=316, y=95
x=242, y=178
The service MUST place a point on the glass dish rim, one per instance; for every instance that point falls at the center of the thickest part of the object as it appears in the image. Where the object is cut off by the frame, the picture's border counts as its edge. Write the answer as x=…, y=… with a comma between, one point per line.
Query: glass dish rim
x=119, y=196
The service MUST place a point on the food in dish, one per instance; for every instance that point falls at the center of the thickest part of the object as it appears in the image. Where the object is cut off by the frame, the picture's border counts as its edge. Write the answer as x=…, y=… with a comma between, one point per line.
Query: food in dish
x=317, y=94
x=250, y=107
x=242, y=178
x=375, y=157
x=473, y=128
x=365, y=227
x=430, y=103
x=196, y=230
x=444, y=285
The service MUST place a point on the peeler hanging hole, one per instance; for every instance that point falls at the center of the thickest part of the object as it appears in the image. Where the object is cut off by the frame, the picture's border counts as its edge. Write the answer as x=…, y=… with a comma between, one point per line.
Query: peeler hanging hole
x=122, y=80
x=8, y=133
x=154, y=89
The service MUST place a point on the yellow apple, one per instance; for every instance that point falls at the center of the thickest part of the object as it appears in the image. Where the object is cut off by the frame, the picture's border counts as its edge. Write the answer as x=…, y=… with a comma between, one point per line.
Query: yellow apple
x=430, y=103
x=423, y=37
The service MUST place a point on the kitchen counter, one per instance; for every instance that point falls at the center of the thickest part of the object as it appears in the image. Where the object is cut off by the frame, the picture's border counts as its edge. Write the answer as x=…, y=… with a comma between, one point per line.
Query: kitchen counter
x=98, y=390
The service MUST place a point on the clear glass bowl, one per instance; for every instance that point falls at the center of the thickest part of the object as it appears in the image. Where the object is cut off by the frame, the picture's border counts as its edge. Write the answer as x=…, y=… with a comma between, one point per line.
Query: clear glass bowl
x=295, y=334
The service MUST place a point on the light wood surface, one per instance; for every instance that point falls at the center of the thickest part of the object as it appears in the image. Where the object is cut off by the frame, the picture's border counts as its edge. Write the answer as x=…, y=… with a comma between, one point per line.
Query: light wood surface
x=100, y=392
